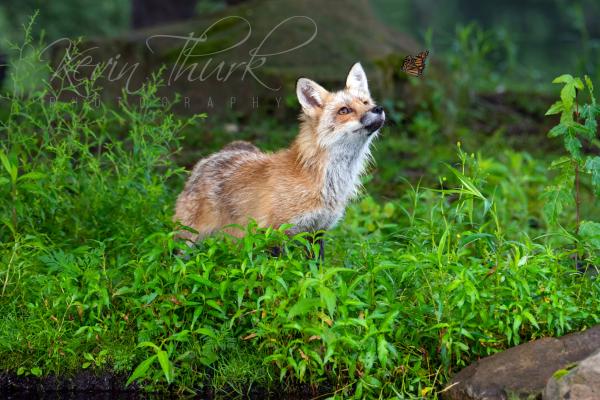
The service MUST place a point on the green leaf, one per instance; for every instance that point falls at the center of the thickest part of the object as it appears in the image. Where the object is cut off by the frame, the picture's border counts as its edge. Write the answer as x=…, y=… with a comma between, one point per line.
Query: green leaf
x=359, y=390
x=567, y=95
x=5, y=162
x=592, y=165
x=565, y=78
x=329, y=298
x=558, y=130
x=34, y=175
x=149, y=344
x=442, y=246
x=304, y=306
x=382, y=350
x=531, y=318
x=590, y=87
x=452, y=286
x=515, y=328
x=11, y=169
x=573, y=146
x=560, y=373
x=372, y=381
x=123, y=290
x=576, y=128
x=215, y=305
x=567, y=116
x=202, y=280
x=466, y=239
x=208, y=356
x=556, y=108
x=590, y=233
x=568, y=92
x=589, y=113
x=36, y=371
x=561, y=163
x=165, y=364
x=466, y=183
x=208, y=331
x=140, y=371
x=556, y=198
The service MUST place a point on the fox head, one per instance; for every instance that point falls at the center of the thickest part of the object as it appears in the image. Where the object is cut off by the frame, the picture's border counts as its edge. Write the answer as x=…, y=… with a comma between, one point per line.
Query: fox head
x=340, y=120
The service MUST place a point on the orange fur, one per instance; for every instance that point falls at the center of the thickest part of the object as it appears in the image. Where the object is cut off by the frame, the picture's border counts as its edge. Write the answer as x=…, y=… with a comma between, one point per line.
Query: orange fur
x=303, y=184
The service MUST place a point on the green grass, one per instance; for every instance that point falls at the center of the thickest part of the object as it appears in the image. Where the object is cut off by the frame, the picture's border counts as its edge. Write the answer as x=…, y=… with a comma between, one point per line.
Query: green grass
x=412, y=289
x=418, y=282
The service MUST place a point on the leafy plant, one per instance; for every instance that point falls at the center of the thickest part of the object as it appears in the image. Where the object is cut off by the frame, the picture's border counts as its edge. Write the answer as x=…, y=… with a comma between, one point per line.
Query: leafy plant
x=577, y=127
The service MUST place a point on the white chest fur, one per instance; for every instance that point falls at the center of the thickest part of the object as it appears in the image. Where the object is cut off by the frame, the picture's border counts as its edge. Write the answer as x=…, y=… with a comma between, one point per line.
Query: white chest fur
x=345, y=165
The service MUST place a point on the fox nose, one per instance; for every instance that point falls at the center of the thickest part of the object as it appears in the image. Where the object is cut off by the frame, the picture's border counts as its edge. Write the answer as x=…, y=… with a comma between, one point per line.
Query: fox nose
x=377, y=109
x=373, y=119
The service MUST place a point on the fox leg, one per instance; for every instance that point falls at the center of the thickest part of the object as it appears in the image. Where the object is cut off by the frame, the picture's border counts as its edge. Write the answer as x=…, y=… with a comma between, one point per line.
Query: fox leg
x=322, y=249
x=276, y=251
x=321, y=241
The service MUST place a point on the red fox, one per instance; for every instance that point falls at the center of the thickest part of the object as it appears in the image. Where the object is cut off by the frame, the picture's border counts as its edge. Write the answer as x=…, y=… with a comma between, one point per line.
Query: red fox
x=308, y=184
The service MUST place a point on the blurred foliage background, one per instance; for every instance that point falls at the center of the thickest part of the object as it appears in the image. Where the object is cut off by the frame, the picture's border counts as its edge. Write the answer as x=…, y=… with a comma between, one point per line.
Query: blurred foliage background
x=544, y=35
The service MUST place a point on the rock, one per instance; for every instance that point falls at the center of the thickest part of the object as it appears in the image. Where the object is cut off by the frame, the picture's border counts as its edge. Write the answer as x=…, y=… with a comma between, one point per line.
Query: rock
x=581, y=383
x=522, y=371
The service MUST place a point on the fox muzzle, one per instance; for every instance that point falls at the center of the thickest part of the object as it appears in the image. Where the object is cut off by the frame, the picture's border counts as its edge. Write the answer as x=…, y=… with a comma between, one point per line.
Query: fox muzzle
x=373, y=119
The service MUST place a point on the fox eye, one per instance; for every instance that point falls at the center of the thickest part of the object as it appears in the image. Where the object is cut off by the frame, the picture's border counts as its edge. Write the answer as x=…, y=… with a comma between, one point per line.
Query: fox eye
x=344, y=110
x=365, y=102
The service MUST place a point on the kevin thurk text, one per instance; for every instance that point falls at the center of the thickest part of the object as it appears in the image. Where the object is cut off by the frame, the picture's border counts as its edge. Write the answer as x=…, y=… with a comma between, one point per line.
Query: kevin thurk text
x=191, y=65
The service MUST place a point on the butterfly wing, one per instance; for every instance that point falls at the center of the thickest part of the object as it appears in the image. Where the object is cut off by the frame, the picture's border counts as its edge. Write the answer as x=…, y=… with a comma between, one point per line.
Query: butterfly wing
x=420, y=60
x=415, y=65
x=408, y=65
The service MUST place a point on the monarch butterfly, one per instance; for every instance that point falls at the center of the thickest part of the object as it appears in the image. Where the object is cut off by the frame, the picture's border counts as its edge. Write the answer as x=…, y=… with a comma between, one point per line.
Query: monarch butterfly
x=414, y=65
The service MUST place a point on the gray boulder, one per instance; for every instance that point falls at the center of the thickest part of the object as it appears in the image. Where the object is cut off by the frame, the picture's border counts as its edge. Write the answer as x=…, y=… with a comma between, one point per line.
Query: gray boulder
x=524, y=370
x=581, y=383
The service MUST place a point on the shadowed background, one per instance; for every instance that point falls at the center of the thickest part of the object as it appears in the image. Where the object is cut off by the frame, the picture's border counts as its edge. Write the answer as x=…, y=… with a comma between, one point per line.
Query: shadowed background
x=516, y=42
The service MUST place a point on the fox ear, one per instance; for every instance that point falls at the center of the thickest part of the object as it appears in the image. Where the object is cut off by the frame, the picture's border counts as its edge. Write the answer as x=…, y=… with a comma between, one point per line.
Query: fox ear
x=357, y=80
x=310, y=94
